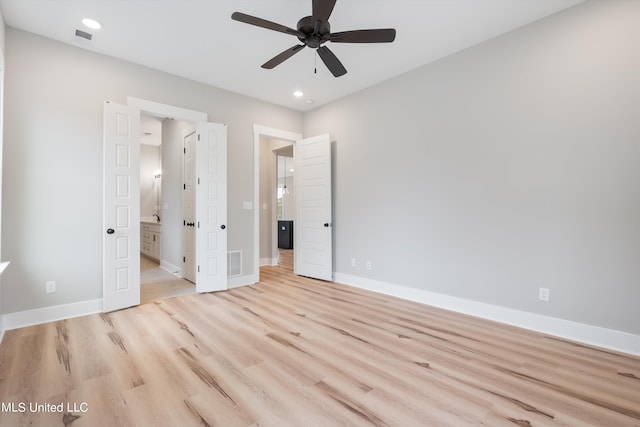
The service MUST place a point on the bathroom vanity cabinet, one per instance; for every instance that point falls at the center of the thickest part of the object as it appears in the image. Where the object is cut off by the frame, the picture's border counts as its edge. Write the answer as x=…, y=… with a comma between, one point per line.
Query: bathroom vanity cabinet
x=150, y=240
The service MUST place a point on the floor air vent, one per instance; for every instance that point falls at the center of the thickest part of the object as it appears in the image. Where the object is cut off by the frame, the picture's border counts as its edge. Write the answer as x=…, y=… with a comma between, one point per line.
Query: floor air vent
x=234, y=263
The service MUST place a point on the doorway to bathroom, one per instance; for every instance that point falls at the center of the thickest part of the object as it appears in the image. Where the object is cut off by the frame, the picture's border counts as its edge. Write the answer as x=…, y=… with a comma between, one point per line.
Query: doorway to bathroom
x=121, y=243
x=159, y=276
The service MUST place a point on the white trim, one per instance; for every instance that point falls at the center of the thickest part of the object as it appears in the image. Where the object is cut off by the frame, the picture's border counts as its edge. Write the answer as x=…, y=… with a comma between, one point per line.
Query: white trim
x=268, y=261
x=4, y=265
x=259, y=130
x=38, y=316
x=170, y=111
x=236, y=282
x=176, y=271
x=588, y=334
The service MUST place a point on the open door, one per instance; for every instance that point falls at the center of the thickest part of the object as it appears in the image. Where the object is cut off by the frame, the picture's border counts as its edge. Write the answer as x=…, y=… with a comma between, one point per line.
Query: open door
x=188, y=204
x=313, y=232
x=211, y=207
x=121, y=241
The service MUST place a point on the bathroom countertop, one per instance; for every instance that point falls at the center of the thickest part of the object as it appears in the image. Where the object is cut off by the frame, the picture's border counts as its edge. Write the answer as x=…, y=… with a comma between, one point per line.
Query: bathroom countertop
x=149, y=220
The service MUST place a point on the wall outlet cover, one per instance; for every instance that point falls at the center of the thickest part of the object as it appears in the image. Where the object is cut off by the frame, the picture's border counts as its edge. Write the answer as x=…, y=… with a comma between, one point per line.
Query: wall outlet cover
x=50, y=286
x=543, y=294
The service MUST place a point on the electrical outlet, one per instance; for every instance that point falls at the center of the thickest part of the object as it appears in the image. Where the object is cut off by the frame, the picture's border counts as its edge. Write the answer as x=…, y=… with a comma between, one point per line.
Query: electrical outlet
x=543, y=294
x=51, y=286
x=353, y=262
x=368, y=265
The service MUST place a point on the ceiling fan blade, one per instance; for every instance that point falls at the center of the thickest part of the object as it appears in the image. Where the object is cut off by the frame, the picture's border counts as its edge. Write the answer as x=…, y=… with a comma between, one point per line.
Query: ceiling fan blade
x=280, y=58
x=386, y=35
x=331, y=61
x=322, y=9
x=263, y=23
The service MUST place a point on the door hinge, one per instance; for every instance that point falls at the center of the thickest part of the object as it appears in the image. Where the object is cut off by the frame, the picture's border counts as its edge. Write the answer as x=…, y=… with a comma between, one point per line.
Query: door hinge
x=198, y=269
x=184, y=186
x=198, y=224
x=184, y=150
x=198, y=137
x=198, y=181
x=184, y=259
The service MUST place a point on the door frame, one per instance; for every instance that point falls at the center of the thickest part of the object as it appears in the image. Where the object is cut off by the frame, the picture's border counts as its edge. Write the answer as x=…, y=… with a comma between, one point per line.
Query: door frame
x=258, y=131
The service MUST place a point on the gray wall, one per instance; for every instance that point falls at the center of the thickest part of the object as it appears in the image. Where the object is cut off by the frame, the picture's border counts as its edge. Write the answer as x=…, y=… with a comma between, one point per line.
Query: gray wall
x=507, y=167
x=52, y=219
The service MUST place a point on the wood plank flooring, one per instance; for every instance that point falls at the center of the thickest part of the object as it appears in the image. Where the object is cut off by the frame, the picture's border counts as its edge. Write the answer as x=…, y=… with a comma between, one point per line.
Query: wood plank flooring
x=292, y=351
x=157, y=283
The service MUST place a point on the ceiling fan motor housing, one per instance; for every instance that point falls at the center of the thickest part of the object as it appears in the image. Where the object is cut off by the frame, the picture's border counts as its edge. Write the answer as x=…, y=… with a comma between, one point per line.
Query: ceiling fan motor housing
x=316, y=31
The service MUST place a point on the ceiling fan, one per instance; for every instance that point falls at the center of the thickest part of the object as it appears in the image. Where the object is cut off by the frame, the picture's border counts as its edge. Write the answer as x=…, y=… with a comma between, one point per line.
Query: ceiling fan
x=313, y=31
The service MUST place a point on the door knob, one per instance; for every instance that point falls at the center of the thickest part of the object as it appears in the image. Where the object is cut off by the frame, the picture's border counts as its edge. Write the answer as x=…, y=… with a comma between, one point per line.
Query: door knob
x=110, y=231
x=327, y=224
x=223, y=226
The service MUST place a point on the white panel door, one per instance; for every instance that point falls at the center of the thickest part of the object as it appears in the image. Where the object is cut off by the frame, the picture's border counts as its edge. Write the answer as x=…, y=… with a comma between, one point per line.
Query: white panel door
x=188, y=202
x=313, y=233
x=211, y=207
x=121, y=242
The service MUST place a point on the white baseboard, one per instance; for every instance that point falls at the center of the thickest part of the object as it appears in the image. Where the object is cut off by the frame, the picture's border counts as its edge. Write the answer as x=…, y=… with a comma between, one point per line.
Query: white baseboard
x=236, y=282
x=268, y=261
x=588, y=334
x=37, y=316
x=176, y=271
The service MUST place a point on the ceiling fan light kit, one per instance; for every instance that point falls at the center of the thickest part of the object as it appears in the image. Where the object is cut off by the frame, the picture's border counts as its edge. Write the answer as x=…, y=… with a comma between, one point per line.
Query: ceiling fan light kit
x=314, y=31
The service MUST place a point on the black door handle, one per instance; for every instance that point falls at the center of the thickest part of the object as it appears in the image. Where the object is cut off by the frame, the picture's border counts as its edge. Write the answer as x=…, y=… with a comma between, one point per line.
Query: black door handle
x=110, y=231
x=326, y=224
x=223, y=226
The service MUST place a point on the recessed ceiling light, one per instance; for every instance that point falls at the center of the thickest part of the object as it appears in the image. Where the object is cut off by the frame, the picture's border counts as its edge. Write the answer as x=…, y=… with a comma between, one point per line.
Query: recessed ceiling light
x=309, y=101
x=298, y=94
x=92, y=23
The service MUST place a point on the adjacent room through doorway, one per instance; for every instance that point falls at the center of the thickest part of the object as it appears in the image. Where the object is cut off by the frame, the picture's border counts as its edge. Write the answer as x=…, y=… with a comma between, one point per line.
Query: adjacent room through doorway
x=276, y=199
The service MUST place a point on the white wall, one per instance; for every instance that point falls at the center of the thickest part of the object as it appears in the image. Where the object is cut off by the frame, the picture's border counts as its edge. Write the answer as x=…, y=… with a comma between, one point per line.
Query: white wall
x=507, y=167
x=150, y=187
x=286, y=176
x=53, y=136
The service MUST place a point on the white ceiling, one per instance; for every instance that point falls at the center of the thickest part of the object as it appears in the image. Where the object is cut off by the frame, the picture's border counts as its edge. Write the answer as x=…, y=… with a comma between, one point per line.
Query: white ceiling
x=198, y=40
x=150, y=130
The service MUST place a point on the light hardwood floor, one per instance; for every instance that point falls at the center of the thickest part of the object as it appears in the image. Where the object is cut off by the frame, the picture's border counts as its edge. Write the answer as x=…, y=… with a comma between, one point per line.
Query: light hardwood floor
x=157, y=283
x=292, y=351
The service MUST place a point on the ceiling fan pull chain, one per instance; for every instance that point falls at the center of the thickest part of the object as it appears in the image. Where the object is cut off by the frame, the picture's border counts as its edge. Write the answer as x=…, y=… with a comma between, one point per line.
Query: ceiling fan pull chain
x=315, y=63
